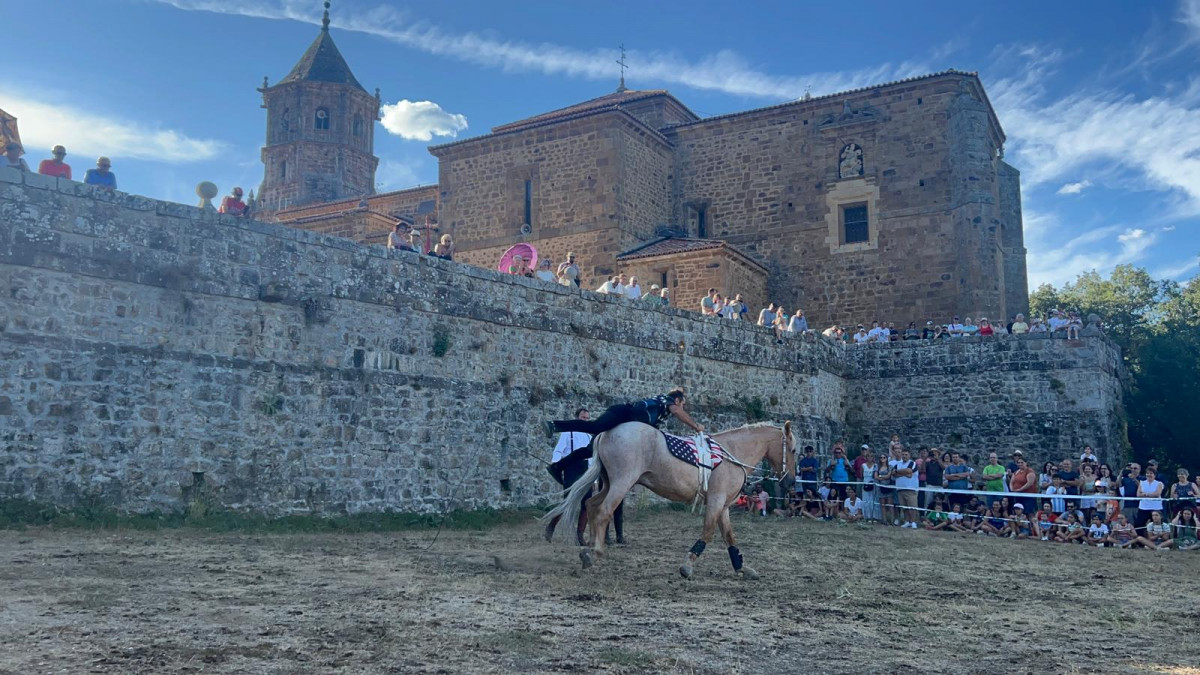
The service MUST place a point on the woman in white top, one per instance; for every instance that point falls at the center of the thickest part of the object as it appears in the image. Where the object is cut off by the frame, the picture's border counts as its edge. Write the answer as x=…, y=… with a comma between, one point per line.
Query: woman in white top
x=544, y=272
x=870, y=495
x=1150, y=490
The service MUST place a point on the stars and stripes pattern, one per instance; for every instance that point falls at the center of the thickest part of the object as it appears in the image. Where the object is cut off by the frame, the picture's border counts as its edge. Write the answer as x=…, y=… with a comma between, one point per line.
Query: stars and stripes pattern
x=684, y=448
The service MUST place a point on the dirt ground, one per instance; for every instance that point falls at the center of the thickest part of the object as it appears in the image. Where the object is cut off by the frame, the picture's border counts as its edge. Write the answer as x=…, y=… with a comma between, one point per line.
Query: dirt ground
x=831, y=598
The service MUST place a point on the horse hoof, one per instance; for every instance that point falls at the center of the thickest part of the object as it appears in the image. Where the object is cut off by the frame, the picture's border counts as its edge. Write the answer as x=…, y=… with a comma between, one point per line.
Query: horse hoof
x=685, y=571
x=585, y=556
x=749, y=573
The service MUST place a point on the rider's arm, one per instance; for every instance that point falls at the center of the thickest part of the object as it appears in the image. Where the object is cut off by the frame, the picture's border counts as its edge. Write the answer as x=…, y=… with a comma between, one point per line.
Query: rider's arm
x=678, y=411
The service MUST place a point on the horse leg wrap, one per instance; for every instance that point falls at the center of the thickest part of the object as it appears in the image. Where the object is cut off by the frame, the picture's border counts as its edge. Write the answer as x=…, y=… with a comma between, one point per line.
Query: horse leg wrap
x=698, y=547
x=735, y=557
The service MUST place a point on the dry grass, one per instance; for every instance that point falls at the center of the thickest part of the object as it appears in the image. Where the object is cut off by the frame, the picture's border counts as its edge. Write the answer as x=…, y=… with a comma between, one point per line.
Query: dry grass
x=831, y=599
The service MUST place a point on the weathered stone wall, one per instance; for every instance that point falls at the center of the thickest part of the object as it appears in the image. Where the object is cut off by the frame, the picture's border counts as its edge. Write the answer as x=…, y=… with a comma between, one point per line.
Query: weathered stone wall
x=1047, y=398
x=151, y=351
x=152, y=354
x=770, y=181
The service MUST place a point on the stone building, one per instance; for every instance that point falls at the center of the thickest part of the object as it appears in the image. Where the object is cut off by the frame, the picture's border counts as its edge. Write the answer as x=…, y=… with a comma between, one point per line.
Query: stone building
x=891, y=202
x=320, y=131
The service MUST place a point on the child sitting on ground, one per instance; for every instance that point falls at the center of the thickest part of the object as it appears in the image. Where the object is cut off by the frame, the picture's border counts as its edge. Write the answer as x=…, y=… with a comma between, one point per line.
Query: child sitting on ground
x=956, y=521
x=1097, y=534
x=936, y=519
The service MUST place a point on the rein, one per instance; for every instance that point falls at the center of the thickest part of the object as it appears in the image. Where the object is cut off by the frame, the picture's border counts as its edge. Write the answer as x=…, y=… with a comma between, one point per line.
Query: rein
x=759, y=474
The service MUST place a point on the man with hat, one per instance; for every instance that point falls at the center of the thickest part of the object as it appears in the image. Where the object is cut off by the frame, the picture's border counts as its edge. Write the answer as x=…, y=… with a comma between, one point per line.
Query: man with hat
x=56, y=167
x=1057, y=322
x=101, y=176
x=1011, y=467
x=12, y=156
x=651, y=294
x=568, y=271
x=233, y=204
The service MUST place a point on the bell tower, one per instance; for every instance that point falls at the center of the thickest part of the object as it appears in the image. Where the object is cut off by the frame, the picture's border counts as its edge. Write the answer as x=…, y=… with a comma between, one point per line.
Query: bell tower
x=320, y=131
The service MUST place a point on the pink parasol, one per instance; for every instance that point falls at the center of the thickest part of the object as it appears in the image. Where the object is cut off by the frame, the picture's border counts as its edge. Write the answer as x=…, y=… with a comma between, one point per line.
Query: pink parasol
x=526, y=251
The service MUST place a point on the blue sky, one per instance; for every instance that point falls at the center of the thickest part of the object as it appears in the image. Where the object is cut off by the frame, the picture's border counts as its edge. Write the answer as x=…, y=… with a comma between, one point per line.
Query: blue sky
x=1100, y=101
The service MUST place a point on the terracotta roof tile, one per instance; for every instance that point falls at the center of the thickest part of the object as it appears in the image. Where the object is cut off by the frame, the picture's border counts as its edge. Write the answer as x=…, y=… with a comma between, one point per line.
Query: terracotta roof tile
x=676, y=245
x=612, y=100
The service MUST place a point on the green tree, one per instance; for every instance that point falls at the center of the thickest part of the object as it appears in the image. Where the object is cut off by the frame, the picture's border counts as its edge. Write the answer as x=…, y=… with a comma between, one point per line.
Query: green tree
x=1157, y=326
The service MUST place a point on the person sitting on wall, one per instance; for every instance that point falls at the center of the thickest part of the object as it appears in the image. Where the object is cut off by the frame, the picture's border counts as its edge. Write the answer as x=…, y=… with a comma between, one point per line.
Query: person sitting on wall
x=12, y=157
x=232, y=204
x=444, y=249
x=653, y=411
x=56, y=166
x=101, y=176
x=397, y=239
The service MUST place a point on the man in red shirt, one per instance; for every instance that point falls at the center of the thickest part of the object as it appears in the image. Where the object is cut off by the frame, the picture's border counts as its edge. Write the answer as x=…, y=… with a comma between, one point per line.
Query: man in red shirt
x=233, y=204
x=56, y=167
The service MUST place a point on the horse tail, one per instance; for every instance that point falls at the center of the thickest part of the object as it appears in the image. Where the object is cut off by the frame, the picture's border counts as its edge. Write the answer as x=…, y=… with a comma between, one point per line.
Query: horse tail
x=569, y=507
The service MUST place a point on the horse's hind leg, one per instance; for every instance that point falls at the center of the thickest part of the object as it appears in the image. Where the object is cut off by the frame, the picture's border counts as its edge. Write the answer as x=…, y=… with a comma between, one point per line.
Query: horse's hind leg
x=710, y=526
x=735, y=555
x=600, y=511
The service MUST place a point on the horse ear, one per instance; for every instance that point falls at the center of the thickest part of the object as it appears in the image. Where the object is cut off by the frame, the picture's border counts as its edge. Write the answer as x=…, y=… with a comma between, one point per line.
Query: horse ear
x=787, y=428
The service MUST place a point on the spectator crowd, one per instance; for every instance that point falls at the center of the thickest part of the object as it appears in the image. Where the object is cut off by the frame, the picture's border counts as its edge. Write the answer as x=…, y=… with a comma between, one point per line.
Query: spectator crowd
x=1084, y=502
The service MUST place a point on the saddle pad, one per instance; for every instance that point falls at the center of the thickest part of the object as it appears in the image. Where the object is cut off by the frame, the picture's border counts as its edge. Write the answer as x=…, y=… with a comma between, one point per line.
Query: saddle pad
x=684, y=448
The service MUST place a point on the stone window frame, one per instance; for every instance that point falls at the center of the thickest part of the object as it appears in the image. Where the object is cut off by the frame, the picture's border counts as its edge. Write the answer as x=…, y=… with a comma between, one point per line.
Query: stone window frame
x=321, y=123
x=851, y=192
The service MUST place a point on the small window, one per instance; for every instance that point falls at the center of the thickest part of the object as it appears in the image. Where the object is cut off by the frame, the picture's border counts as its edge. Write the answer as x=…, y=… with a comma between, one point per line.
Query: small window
x=528, y=202
x=855, y=227
x=283, y=169
x=358, y=126
x=322, y=119
x=701, y=222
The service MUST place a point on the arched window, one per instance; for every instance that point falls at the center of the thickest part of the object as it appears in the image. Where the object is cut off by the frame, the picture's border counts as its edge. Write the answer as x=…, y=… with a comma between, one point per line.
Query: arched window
x=322, y=119
x=358, y=125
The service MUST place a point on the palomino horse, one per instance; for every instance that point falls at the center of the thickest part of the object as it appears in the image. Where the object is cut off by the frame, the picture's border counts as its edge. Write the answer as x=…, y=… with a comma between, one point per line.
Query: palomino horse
x=636, y=454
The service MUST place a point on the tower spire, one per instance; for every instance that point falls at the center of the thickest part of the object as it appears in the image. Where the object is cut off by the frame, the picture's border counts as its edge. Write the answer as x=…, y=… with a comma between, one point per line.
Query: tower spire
x=325, y=19
x=621, y=62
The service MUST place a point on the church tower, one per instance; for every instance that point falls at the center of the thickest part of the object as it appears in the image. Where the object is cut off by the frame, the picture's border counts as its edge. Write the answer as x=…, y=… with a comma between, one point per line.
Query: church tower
x=320, y=131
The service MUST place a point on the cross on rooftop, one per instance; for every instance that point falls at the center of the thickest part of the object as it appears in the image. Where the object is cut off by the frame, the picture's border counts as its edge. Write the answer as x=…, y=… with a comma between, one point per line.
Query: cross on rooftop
x=624, y=66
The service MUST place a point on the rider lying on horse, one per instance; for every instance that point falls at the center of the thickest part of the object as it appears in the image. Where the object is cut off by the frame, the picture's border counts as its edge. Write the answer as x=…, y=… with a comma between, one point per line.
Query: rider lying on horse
x=653, y=411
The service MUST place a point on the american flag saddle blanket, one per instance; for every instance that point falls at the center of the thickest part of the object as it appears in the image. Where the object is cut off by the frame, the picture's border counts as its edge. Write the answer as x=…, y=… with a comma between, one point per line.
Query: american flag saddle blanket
x=684, y=448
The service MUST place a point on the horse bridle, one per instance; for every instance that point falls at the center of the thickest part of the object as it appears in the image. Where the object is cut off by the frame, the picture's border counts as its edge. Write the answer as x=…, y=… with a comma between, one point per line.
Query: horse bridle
x=746, y=469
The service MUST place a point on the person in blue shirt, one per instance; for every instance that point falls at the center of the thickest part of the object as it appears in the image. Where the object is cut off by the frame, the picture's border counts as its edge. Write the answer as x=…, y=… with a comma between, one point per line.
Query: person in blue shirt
x=101, y=176
x=808, y=469
x=958, y=477
x=838, y=469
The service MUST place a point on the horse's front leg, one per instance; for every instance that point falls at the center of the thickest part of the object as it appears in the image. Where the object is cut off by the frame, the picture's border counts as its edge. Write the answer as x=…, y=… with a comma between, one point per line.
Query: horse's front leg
x=710, y=526
x=735, y=556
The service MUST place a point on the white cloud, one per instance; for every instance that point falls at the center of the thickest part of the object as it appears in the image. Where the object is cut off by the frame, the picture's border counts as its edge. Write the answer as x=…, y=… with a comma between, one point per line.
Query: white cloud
x=44, y=124
x=420, y=120
x=1148, y=143
x=1189, y=15
x=723, y=70
x=1177, y=271
x=1095, y=249
x=1074, y=188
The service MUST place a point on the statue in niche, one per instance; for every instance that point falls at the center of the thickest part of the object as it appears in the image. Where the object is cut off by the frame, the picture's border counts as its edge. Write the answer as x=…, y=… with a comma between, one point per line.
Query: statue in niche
x=850, y=162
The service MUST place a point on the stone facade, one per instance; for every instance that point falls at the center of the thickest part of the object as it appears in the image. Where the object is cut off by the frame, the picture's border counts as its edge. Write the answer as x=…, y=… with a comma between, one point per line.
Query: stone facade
x=369, y=220
x=941, y=229
x=152, y=354
x=320, y=133
x=690, y=267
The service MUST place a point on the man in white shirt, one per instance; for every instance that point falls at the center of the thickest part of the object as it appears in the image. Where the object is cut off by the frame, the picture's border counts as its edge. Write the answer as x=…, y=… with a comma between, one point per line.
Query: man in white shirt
x=876, y=334
x=708, y=304
x=633, y=290
x=907, y=481
x=609, y=287
x=852, y=506
x=955, y=328
x=861, y=336
x=1057, y=322
x=569, y=462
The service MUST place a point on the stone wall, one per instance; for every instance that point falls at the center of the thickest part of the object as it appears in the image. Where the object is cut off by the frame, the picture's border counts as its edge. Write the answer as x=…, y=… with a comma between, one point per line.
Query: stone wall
x=1045, y=397
x=152, y=354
